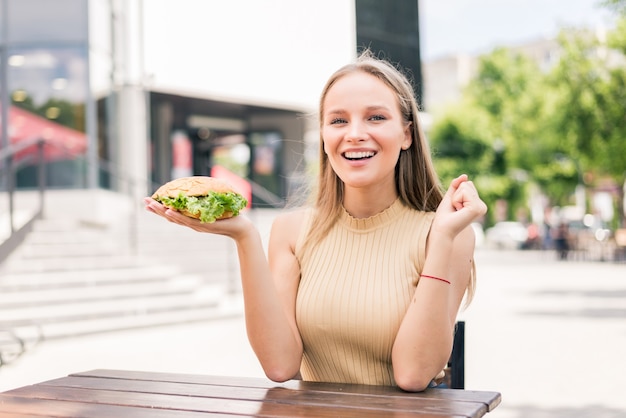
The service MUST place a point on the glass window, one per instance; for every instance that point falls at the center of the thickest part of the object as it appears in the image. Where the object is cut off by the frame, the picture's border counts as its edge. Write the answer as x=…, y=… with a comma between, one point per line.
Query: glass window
x=102, y=93
x=45, y=20
x=265, y=165
x=48, y=90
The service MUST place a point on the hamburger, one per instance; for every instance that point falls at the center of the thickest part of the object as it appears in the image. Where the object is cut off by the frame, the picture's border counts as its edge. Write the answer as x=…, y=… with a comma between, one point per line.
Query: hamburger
x=201, y=197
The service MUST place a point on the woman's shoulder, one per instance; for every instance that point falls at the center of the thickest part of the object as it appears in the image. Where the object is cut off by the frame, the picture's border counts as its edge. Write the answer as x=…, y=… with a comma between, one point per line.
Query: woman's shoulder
x=290, y=222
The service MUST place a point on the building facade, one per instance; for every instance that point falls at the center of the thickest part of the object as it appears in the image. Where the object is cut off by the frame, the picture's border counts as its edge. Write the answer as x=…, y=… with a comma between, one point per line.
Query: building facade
x=128, y=94
x=445, y=77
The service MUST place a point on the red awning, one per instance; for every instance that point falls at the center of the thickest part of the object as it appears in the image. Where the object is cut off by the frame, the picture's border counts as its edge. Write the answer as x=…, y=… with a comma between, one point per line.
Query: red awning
x=61, y=142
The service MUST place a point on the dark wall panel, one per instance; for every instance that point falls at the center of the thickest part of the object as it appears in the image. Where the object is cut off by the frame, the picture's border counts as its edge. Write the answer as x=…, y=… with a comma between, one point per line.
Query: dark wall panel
x=390, y=29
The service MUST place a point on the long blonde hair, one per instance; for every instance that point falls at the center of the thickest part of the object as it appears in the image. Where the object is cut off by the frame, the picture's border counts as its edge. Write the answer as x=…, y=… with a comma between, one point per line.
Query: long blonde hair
x=416, y=181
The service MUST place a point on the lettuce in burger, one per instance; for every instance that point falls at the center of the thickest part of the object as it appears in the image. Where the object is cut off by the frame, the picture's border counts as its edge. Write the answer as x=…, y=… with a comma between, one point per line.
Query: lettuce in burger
x=201, y=197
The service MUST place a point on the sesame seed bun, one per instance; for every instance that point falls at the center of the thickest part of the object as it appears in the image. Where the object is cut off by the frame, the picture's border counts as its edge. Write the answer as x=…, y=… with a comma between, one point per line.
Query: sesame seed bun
x=194, y=186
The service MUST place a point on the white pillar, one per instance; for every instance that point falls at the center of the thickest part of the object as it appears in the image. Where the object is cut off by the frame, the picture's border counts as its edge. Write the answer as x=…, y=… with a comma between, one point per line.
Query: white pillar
x=132, y=110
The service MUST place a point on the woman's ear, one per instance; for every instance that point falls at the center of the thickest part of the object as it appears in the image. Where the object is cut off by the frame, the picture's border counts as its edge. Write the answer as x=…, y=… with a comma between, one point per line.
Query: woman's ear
x=408, y=136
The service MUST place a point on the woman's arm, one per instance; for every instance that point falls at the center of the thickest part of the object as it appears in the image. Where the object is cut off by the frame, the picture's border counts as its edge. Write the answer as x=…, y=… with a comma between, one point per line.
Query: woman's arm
x=269, y=293
x=424, y=340
x=271, y=304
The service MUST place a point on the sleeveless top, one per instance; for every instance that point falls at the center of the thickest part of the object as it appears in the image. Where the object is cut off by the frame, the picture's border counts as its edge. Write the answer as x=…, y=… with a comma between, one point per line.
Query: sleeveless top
x=354, y=290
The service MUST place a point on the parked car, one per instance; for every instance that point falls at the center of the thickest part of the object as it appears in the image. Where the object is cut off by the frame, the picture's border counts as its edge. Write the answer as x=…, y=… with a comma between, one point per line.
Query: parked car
x=590, y=238
x=509, y=235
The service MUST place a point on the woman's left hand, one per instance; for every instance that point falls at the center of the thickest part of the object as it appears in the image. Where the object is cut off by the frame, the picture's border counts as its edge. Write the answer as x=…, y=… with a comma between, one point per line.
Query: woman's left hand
x=235, y=227
x=460, y=206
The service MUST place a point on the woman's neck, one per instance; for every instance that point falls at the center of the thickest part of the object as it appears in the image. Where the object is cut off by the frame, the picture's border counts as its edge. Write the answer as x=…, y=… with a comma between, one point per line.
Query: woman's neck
x=366, y=202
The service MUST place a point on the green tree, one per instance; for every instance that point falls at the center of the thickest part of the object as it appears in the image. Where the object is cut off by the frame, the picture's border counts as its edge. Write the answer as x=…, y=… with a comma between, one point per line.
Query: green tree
x=63, y=112
x=26, y=103
x=507, y=92
x=461, y=141
x=588, y=112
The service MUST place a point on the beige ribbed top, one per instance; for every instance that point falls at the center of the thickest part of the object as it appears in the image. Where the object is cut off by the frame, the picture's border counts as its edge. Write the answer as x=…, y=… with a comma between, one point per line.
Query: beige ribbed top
x=354, y=290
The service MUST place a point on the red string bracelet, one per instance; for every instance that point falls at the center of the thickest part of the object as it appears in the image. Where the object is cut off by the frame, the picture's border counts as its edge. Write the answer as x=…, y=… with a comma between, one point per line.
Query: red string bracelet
x=436, y=278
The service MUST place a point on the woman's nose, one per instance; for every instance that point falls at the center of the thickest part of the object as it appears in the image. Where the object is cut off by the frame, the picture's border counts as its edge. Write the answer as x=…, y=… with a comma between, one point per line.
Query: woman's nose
x=356, y=132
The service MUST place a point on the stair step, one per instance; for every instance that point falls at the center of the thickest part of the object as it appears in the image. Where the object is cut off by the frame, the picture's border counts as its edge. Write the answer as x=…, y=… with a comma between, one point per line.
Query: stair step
x=62, y=224
x=36, y=296
x=62, y=237
x=86, y=235
x=46, y=265
x=100, y=325
x=81, y=310
x=67, y=278
x=70, y=251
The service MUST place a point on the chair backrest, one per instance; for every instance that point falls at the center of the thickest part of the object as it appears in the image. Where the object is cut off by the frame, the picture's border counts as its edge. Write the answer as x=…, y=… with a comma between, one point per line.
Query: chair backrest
x=455, y=372
x=457, y=358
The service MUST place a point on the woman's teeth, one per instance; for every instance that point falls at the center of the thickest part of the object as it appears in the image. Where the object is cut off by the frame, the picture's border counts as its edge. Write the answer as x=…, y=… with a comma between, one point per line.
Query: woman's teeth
x=359, y=155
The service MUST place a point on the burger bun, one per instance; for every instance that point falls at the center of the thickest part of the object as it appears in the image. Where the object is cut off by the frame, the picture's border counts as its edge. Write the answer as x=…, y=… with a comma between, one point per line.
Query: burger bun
x=194, y=186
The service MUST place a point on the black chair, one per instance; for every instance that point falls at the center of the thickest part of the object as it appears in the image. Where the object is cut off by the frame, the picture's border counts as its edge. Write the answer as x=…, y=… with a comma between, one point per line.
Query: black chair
x=455, y=372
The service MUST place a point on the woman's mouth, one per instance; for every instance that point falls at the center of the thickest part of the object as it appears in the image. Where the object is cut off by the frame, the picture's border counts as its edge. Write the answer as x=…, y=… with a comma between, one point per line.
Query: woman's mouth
x=358, y=155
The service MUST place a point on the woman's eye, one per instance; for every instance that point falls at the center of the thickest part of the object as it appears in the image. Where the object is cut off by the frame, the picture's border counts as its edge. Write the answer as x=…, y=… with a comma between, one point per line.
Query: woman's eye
x=377, y=117
x=337, y=121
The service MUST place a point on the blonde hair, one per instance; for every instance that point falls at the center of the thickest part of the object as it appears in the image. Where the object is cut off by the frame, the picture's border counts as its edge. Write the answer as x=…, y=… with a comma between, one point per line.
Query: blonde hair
x=416, y=180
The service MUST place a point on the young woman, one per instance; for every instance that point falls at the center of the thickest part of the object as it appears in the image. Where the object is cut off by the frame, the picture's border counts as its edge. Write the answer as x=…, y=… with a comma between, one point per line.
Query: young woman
x=365, y=285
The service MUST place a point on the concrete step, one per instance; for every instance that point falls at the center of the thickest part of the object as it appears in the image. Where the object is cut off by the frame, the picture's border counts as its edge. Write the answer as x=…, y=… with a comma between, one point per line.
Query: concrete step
x=104, y=250
x=16, y=264
x=198, y=261
x=32, y=335
x=70, y=236
x=69, y=251
x=79, y=310
x=54, y=295
x=54, y=243
x=41, y=279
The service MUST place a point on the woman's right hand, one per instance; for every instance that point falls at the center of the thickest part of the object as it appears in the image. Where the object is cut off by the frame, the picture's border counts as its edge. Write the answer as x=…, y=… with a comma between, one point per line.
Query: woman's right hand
x=235, y=227
x=461, y=205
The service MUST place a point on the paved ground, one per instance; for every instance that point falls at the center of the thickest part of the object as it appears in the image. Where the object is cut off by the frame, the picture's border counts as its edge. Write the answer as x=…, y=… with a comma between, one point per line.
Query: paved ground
x=549, y=335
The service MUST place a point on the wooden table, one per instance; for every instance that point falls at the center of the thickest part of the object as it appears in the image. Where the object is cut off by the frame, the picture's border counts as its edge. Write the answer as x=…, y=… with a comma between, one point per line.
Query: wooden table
x=132, y=394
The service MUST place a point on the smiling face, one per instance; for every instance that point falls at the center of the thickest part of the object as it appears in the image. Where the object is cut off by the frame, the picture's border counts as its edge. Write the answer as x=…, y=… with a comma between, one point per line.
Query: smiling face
x=363, y=131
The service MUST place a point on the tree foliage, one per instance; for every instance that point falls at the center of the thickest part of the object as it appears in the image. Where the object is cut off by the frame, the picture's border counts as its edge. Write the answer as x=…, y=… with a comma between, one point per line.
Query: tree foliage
x=520, y=125
x=589, y=112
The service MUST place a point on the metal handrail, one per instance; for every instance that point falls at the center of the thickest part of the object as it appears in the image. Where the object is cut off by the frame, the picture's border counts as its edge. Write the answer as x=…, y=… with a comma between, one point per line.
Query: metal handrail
x=7, y=164
x=8, y=167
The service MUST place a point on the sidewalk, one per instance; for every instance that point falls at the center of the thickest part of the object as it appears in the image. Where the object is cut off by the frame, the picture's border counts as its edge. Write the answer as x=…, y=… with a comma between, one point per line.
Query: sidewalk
x=549, y=335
